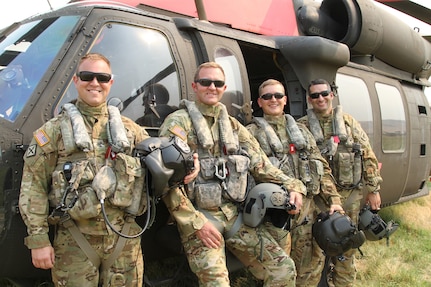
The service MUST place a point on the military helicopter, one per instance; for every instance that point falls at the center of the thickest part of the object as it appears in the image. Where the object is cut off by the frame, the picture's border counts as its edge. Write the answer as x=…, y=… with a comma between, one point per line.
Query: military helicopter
x=379, y=67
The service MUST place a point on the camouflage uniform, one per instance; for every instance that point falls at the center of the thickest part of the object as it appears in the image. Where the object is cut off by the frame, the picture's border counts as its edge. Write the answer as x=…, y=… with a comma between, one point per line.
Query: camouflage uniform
x=255, y=247
x=45, y=156
x=308, y=257
x=345, y=270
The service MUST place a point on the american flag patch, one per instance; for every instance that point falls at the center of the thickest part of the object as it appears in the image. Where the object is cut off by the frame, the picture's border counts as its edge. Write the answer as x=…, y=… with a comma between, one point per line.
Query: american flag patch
x=41, y=137
x=179, y=132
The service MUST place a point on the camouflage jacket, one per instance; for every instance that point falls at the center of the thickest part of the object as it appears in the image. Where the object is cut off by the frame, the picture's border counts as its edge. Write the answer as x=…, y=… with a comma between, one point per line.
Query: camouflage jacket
x=45, y=153
x=372, y=178
x=187, y=217
x=279, y=123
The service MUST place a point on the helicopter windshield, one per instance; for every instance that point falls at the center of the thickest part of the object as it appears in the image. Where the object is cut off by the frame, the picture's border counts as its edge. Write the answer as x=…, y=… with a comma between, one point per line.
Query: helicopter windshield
x=25, y=55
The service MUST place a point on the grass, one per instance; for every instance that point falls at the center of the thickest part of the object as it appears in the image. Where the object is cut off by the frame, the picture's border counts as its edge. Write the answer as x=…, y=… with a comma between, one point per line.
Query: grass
x=406, y=261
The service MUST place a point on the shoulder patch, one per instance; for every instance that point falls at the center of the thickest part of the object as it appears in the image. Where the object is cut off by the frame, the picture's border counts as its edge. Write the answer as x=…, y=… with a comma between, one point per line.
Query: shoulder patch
x=31, y=150
x=41, y=137
x=179, y=132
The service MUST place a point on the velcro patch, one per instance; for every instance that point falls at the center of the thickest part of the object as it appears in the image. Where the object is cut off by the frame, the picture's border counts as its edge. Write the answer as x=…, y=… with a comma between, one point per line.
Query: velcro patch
x=31, y=150
x=179, y=132
x=41, y=137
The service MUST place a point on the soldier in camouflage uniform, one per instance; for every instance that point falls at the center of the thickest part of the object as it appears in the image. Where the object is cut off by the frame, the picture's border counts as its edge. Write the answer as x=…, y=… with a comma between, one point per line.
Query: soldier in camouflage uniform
x=293, y=149
x=354, y=165
x=63, y=160
x=208, y=213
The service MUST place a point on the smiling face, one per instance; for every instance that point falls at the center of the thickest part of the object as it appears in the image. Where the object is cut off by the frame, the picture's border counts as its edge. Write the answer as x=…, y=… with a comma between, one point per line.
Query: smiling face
x=93, y=93
x=323, y=103
x=272, y=106
x=210, y=95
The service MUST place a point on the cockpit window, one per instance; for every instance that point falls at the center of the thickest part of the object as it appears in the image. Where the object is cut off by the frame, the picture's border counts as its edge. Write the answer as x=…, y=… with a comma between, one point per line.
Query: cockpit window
x=233, y=96
x=25, y=56
x=146, y=84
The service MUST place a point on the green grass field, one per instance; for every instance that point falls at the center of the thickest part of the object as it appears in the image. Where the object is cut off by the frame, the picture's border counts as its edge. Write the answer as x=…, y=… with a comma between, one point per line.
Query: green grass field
x=406, y=261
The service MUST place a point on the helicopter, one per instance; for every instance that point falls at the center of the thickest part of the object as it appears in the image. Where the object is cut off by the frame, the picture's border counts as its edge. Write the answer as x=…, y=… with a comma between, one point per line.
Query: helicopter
x=378, y=65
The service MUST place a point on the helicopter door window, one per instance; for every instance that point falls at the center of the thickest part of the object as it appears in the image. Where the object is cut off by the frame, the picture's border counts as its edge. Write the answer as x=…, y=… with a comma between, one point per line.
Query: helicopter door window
x=233, y=96
x=25, y=55
x=145, y=76
x=394, y=129
x=355, y=99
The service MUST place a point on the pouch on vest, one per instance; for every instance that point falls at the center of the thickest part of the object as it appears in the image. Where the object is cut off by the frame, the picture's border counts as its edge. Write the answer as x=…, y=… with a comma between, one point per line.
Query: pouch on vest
x=208, y=195
x=81, y=176
x=104, y=183
x=316, y=171
x=58, y=187
x=304, y=170
x=127, y=170
x=139, y=197
x=208, y=168
x=344, y=168
x=236, y=181
x=87, y=206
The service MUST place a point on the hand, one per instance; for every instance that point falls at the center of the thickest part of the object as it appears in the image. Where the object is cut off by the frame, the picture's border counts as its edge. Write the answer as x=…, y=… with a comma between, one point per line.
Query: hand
x=336, y=207
x=43, y=257
x=209, y=235
x=373, y=200
x=296, y=199
x=191, y=176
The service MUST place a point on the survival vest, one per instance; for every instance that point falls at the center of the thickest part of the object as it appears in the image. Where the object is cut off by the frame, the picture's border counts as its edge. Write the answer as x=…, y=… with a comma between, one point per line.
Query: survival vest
x=342, y=153
x=223, y=176
x=294, y=163
x=79, y=180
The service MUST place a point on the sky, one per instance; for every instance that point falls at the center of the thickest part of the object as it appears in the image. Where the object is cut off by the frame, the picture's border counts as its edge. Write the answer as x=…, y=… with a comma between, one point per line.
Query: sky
x=16, y=10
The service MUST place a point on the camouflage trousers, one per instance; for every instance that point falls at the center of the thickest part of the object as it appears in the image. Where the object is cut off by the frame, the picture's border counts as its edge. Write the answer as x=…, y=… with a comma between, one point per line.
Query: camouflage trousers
x=308, y=257
x=344, y=272
x=72, y=267
x=254, y=247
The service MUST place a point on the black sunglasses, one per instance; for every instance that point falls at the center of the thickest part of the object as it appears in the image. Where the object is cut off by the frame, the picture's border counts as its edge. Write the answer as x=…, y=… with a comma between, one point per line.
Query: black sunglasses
x=89, y=76
x=317, y=95
x=269, y=96
x=208, y=82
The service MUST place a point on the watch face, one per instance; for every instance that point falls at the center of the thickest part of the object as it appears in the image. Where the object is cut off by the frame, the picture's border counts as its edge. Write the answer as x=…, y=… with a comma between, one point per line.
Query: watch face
x=182, y=145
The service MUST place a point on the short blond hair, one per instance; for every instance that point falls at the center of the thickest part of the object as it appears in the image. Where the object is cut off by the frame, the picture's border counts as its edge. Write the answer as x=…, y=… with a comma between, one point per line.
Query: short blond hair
x=208, y=65
x=93, y=57
x=270, y=82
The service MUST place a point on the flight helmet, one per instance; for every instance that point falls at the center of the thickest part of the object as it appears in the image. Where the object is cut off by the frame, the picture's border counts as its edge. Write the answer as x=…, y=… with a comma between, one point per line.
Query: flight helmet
x=168, y=160
x=336, y=233
x=374, y=227
x=266, y=198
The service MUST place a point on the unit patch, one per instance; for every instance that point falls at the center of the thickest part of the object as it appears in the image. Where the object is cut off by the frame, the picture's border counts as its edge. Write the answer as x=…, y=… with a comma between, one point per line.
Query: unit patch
x=31, y=150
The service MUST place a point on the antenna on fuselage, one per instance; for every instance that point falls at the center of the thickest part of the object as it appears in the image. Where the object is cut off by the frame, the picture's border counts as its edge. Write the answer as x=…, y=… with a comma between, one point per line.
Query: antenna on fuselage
x=50, y=6
x=201, y=10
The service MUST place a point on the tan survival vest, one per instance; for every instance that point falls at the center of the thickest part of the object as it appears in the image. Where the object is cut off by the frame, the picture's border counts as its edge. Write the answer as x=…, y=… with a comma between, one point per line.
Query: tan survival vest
x=220, y=177
x=295, y=163
x=342, y=153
